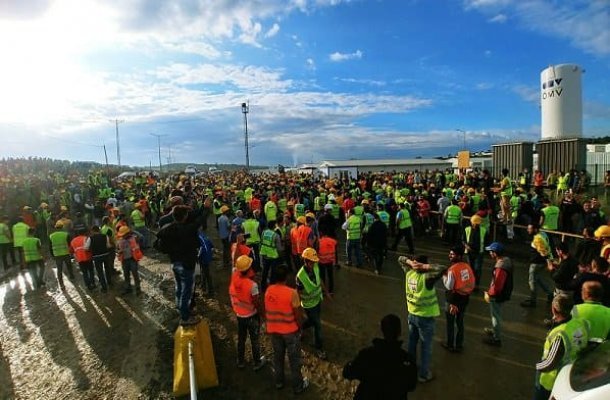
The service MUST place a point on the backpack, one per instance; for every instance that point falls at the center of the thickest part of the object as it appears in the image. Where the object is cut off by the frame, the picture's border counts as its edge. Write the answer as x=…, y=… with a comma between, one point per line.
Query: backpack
x=205, y=254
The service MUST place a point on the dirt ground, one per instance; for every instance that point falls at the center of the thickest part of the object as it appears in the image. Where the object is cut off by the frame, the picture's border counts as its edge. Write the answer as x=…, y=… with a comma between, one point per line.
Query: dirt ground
x=91, y=345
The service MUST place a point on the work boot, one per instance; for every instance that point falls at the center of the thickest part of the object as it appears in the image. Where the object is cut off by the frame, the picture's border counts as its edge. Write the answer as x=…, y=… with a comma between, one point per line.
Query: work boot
x=492, y=341
x=260, y=364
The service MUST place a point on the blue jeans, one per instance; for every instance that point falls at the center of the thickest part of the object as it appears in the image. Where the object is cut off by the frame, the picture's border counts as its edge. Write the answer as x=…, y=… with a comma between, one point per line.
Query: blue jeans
x=291, y=344
x=36, y=269
x=355, y=247
x=314, y=319
x=130, y=267
x=421, y=328
x=184, y=288
x=495, y=309
x=535, y=280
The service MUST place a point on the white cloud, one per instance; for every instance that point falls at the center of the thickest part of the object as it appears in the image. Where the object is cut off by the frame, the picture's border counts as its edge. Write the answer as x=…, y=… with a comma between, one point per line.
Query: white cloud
x=499, y=18
x=311, y=64
x=527, y=93
x=371, y=82
x=584, y=23
x=338, y=57
x=272, y=31
x=484, y=86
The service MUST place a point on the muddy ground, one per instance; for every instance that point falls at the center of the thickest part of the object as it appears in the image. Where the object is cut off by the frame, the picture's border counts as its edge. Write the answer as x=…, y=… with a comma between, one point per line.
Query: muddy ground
x=91, y=345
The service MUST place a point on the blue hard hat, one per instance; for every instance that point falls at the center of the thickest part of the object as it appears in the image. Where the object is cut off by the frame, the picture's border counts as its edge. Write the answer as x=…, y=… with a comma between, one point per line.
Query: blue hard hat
x=495, y=247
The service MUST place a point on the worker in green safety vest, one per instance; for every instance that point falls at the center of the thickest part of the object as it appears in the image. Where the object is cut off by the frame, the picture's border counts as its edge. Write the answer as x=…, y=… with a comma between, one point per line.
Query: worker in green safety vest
x=567, y=337
x=404, y=226
x=353, y=227
x=594, y=311
x=311, y=289
x=6, y=242
x=20, y=232
x=453, y=223
x=34, y=261
x=271, y=251
x=423, y=308
x=252, y=231
x=60, y=250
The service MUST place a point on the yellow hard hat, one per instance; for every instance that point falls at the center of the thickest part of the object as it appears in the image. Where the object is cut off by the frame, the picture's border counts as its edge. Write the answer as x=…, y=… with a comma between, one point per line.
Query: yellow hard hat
x=364, y=202
x=123, y=230
x=310, y=215
x=290, y=203
x=603, y=232
x=243, y=263
x=471, y=191
x=27, y=208
x=59, y=225
x=44, y=205
x=302, y=220
x=476, y=220
x=63, y=208
x=224, y=209
x=310, y=254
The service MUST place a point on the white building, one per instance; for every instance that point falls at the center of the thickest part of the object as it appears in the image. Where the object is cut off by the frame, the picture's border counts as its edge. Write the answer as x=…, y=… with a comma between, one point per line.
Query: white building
x=352, y=168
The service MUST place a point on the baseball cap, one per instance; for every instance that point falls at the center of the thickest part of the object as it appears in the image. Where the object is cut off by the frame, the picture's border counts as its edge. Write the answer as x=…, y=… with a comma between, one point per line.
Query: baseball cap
x=495, y=247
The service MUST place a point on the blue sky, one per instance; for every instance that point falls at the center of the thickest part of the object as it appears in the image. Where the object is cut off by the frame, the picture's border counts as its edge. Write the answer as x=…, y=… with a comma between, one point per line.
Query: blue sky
x=325, y=79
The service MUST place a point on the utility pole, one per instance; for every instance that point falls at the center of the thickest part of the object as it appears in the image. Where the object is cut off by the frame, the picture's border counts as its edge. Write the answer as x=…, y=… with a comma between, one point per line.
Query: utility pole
x=245, y=108
x=158, y=136
x=118, y=146
x=106, y=157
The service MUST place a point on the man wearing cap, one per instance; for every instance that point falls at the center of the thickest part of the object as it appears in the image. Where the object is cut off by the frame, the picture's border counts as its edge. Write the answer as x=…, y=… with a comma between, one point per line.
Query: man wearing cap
x=474, y=244
x=79, y=246
x=270, y=210
x=224, y=230
x=459, y=282
x=271, y=251
x=245, y=300
x=59, y=242
x=540, y=252
x=139, y=224
x=100, y=245
x=499, y=291
x=284, y=316
x=311, y=289
x=129, y=254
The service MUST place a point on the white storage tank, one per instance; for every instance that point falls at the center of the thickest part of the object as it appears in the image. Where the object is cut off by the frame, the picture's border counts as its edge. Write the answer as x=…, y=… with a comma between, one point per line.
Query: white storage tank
x=561, y=101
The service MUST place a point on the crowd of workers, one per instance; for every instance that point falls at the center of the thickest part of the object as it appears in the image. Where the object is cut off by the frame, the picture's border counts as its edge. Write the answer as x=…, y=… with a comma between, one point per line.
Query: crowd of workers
x=276, y=226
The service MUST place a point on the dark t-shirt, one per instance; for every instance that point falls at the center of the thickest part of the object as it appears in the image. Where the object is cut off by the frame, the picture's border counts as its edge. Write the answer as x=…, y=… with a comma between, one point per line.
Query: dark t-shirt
x=564, y=274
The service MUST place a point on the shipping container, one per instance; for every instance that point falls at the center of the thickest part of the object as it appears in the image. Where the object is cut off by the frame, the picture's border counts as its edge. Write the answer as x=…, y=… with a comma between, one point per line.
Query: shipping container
x=561, y=155
x=514, y=156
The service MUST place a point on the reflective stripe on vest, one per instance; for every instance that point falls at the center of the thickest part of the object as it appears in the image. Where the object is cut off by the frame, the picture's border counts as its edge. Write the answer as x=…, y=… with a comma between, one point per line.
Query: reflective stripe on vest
x=335, y=211
x=279, y=314
x=598, y=317
x=268, y=248
x=59, y=243
x=31, y=250
x=299, y=210
x=312, y=292
x=421, y=301
x=328, y=247
x=136, y=253
x=240, y=291
x=463, y=278
x=574, y=335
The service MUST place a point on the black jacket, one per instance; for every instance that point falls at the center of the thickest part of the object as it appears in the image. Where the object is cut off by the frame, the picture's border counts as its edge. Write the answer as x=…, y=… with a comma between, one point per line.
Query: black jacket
x=181, y=241
x=385, y=371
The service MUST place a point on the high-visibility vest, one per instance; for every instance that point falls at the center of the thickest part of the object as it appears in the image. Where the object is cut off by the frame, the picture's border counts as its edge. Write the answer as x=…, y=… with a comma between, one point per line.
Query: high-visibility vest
x=59, y=243
x=78, y=246
x=4, y=234
x=551, y=217
x=303, y=234
x=404, y=219
x=454, y=213
x=384, y=217
x=104, y=231
x=463, y=278
x=136, y=252
x=317, y=204
x=515, y=204
x=138, y=219
x=353, y=227
x=482, y=233
x=294, y=239
x=282, y=204
x=270, y=211
x=562, y=183
x=328, y=250
x=279, y=313
x=312, y=292
x=31, y=249
x=20, y=232
x=335, y=211
x=575, y=335
x=251, y=226
x=240, y=291
x=476, y=200
x=299, y=210
x=268, y=248
x=421, y=301
x=598, y=317
x=368, y=221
